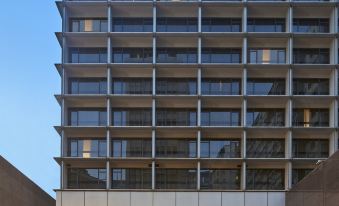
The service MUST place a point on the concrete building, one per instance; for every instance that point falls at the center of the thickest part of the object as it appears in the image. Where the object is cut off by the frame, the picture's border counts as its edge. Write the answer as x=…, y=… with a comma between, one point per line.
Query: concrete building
x=17, y=190
x=196, y=102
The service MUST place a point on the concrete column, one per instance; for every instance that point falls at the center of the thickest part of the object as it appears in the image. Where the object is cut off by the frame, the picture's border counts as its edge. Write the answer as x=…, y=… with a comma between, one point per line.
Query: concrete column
x=199, y=50
x=109, y=112
x=290, y=19
x=108, y=175
x=288, y=175
x=289, y=113
x=244, y=82
x=243, y=113
x=333, y=21
x=333, y=114
x=198, y=144
x=243, y=144
x=199, y=113
x=153, y=175
x=290, y=51
x=154, y=30
x=109, y=50
x=63, y=113
x=289, y=82
x=64, y=19
x=108, y=142
x=153, y=144
x=109, y=81
x=64, y=56
x=154, y=79
x=288, y=145
x=199, y=18
x=334, y=82
x=243, y=176
x=62, y=176
x=153, y=113
x=109, y=20
x=198, y=175
x=333, y=143
x=199, y=81
x=244, y=19
x=244, y=51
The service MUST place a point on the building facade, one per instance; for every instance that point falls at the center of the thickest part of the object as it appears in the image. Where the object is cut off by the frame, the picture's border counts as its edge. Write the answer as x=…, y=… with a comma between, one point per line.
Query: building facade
x=208, y=102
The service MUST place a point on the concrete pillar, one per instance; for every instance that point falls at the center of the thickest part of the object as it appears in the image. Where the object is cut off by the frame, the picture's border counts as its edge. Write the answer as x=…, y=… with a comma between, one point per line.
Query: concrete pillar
x=109, y=81
x=153, y=144
x=288, y=175
x=108, y=175
x=243, y=176
x=243, y=143
x=198, y=175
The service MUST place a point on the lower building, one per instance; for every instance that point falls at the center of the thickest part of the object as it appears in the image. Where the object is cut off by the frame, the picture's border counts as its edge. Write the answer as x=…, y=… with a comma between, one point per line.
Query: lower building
x=17, y=190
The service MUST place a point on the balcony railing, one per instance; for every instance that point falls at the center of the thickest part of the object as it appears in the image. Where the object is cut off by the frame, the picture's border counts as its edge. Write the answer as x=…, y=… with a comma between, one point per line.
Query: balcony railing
x=176, y=117
x=311, y=87
x=132, y=24
x=310, y=148
x=177, y=24
x=177, y=55
x=266, y=87
x=132, y=117
x=87, y=86
x=81, y=178
x=311, y=25
x=179, y=86
x=221, y=24
x=131, y=178
x=88, y=55
x=311, y=56
x=265, y=148
x=88, y=25
x=267, y=56
x=87, y=117
x=265, y=117
x=218, y=148
x=132, y=86
x=220, y=117
x=266, y=25
x=221, y=86
x=176, y=178
x=220, y=179
x=123, y=148
x=265, y=179
x=177, y=148
x=132, y=55
x=87, y=148
x=221, y=55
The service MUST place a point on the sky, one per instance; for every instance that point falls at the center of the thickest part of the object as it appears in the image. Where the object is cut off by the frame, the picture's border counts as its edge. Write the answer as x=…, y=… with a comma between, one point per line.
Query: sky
x=28, y=82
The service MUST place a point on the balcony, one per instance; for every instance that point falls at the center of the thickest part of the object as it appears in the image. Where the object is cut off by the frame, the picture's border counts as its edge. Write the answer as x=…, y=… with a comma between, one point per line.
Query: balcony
x=265, y=148
x=265, y=179
x=221, y=55
x=174, y=24
x=88, y=55
x=178, y=86
x=215, y=86
x=87, y=148
x=176, y=148
x=311, y=86
x=265, y=117
x=267, y=56
x=310, y=148
x=176, y=117
x=176, y=178
x=132, y=25
x=122, y=148
x=311, y=117
x=132, y=55
x=266, y=87
x=81, y=178
x=132, y=86
x=311, y=25
x=266, y=25
x=88, y=25
x=220, y=179
x=219, y=148
x=221, y=24
x=311, y=56
x=87, y=117
x=221, y=117
x=177, y=55
x=87, y=86
x=131, y=178
x=132, y=117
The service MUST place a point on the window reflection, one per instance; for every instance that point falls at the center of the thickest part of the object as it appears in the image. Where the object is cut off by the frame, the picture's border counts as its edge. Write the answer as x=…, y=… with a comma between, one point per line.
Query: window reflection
x=132, y=24
x=88, y=55
x=265, y=179
x=132, y=55
x=265, y=117
x=221, y=117
x=88, y=25
x=87, y=86
x=132, y=148
x=185, y=148
x=215, y=148
x=132, y=86
x=87, y=117
x=176, y=178
x=265, y=148
x=311, y=25
x=87, y=148
x=131, y=178
x=311, y=56
x=132, y=117
x=265, y=25
x=176, y=86
x=267, y=56
x=266, y=86
x=221, y=24
x=310, y=86
x=177, y=55
x=220, y=86
x=176, y=117
x=310, y=148
x=221, y=55
x=299, y=174
x=228, y=179
x=81, y=178
x=175, y=24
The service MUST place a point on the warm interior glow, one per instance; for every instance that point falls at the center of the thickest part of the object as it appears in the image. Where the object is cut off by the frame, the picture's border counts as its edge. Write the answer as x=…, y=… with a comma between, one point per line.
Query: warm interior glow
x=307, y=115
x=266, y=56
x=88, y=25
x=86, y=149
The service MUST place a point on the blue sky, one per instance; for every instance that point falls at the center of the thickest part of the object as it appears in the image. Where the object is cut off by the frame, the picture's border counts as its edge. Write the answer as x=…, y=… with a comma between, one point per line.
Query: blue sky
x=28, y=81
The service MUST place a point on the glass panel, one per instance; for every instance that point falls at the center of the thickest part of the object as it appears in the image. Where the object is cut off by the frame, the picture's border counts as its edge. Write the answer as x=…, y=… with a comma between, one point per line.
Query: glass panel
x=265, y=117
x=220, y=179
x=130, y=178
x=132, y=148
x=176, y=178
x=265, y=148
x=220, y=148
x=79, y=178
x=183, y=148
x=310, y=148
x=265, y=179
x=266, y=87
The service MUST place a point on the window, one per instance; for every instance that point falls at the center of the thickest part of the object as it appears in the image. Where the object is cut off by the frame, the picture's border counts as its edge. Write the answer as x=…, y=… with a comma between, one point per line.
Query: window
x=311, y=87
x=132, y=24
x=311, y=117
x=227, y=117
x=221, y=24
x=299, y=174
x=132, y=148
x=131, y=178
x=132, y=117
x=265, y=117
x=265, y=179
x=132, y=55
x=176, y=117
x=221, y=55
x=267, y=56
x=221, y=86
x=311, y=25
x=227, y=179
x=310, y=148
x=87, y=148
x=311, y=56
x=81, y=178
x=176, y=178
x=87, y=86
x=184, y=148
x=176, y=86
x=132, y=86
x=219, y=148
x=266, y=87
x=87, y=117
x=265, y=25
x=265, y=148
x=88, y=25
x=177, y=55
x=88, y=55
x=174, y=24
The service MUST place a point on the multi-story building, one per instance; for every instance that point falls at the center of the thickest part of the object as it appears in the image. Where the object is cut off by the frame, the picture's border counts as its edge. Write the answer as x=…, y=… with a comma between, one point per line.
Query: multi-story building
x=196, y=102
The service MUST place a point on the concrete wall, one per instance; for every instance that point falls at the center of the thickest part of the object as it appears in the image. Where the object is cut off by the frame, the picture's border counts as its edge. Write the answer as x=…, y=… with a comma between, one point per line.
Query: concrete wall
x=17, y=190
x=113, y=198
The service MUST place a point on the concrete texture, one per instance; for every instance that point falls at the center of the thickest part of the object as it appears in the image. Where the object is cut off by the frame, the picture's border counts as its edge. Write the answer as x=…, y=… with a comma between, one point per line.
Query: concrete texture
x=17, y=190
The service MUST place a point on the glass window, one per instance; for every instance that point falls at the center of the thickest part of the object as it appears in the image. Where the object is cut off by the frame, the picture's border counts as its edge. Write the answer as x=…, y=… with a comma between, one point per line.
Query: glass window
x=221, y=24
x=299, y=174
x=132, y=117
x=265, y=148
x=88, y=25
x=311, y=56
x=311, y=25
x=87, y=86
x=230, y=117
x=82, y=117
x=267, y=56
x=265, y=179
x=311, y=87
x=221, y=86
x=176, y=86
x=265, y=117
x=132, y=55
x=176, y=117
x=311, y=117
x=177, y=55
x=87, y=148
x=266, y=86
x=132, y=86
x=218, y=148
x=310, y=148
x=175, y=24
x=184, y=148
x=265, y=25
x=176, y=178
x=221, y=55
x=131, y=178
x=88, y=55
x=80, y=178
x=132, y=24
x=227, y=179
x=132, y=148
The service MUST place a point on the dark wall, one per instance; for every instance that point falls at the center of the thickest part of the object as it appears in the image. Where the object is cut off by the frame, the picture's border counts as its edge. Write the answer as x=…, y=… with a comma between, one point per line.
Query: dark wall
x=17, y=190
x=319, y=188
